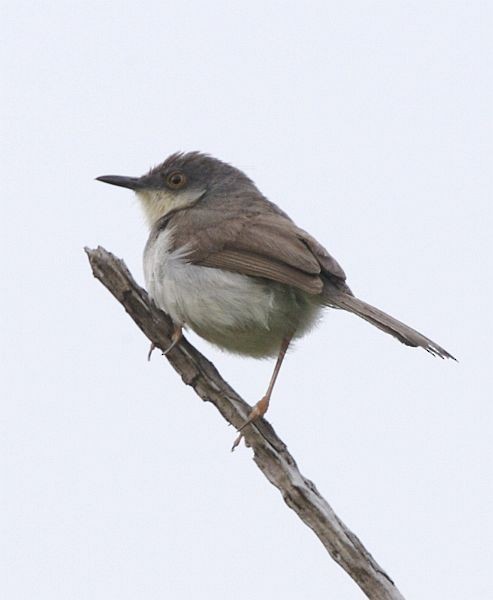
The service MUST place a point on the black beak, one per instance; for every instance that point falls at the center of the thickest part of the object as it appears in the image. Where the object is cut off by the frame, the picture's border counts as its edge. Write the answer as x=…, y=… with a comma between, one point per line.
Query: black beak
x=133, y=183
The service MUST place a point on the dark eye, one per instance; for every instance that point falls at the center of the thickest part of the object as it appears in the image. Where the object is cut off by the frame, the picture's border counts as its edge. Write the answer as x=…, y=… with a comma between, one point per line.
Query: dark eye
x=176, y=180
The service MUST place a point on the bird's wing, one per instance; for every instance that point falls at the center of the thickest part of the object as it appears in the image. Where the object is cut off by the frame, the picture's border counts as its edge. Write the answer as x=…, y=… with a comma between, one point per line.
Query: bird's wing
x=263, y=245
x=255, y=265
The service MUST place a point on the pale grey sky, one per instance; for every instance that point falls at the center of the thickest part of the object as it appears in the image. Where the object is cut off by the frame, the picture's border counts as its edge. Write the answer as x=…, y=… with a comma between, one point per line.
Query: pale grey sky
x=370, y=123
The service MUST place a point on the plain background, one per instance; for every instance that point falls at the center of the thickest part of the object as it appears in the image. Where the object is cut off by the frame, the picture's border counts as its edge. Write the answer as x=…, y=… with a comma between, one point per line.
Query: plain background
x=370, y=123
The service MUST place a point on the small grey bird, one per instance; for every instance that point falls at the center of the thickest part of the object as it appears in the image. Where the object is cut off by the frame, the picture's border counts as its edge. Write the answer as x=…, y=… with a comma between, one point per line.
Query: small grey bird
x=228, y=263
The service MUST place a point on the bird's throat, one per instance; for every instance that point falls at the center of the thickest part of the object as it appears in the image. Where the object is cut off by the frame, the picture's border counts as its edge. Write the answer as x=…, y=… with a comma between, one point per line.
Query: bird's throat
x=158, y=203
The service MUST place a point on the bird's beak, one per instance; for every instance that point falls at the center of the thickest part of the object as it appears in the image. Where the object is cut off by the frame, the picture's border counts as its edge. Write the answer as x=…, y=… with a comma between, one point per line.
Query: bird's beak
x=133, y=183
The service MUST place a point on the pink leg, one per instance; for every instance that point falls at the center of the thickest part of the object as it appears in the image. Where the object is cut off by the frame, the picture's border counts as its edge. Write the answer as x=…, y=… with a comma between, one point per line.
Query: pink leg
x=262, y=405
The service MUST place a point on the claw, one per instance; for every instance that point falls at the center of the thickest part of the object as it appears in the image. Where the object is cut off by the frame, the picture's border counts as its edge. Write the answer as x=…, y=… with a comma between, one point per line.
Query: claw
x=151, y=350
x=175, y=338
x=236, y=442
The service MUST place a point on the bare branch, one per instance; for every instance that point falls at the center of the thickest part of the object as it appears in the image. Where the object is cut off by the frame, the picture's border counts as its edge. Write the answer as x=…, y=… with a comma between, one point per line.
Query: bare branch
x=270, y=453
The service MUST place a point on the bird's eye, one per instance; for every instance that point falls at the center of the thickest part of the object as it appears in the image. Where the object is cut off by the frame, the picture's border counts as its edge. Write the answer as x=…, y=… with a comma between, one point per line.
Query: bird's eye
x=176, y=180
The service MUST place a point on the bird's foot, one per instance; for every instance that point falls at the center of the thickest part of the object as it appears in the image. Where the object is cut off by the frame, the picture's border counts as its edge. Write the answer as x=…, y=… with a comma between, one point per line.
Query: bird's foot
x=175, y=338
x=257, y=412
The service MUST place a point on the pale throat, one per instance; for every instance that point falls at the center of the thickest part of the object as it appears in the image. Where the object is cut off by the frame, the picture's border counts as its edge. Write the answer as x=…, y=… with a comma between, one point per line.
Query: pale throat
x=158, y=203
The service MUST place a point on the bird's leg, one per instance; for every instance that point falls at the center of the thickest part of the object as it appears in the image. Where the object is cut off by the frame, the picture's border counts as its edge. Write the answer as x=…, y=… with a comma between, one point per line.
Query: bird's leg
x=262, y=405
x=176, y=336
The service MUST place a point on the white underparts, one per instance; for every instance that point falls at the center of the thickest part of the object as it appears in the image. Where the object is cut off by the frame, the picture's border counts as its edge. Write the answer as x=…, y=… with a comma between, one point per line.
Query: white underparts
x=236, y=312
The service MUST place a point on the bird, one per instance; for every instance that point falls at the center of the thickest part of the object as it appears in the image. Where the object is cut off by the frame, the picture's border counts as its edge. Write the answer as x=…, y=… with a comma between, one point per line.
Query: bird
x=224, y=261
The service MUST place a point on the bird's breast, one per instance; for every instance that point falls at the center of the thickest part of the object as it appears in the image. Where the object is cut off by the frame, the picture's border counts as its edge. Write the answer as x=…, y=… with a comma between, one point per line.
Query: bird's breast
x=242, y=314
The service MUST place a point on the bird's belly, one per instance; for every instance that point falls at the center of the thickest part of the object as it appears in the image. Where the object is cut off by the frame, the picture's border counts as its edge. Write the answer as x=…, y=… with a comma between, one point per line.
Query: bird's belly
x=241, y=314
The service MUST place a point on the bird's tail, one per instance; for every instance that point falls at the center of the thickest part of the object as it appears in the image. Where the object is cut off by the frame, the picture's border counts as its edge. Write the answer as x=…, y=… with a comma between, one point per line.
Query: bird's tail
x=405, y=334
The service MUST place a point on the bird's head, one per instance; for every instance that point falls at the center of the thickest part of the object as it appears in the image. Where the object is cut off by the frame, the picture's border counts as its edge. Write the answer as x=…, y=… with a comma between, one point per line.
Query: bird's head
x=181, y=181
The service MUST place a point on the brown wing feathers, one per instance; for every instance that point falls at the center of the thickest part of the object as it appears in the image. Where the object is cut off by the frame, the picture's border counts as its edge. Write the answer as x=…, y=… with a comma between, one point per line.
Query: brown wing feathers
x=264, y=246
x=255, y=265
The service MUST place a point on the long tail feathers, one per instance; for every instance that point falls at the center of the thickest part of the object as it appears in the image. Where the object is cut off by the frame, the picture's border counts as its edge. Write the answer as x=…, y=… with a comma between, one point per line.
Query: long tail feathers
x=383, y=321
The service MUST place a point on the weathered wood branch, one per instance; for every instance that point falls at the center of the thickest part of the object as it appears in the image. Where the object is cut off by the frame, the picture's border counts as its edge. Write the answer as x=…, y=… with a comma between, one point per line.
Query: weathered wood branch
x=269, y=452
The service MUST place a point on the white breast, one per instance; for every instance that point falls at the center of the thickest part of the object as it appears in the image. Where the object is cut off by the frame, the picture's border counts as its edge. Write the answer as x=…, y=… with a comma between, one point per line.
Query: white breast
x=239, y=313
